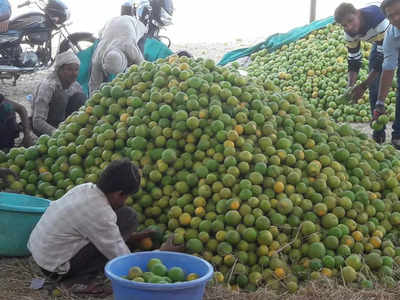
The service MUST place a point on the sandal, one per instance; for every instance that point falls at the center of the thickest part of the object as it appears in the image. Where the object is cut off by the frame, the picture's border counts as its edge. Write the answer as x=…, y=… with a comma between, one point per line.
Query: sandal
x=396, y=143
x=95, y=290
x=379, y=137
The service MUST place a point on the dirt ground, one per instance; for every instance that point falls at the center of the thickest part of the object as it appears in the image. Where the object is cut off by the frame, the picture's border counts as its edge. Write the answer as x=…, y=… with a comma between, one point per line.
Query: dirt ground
x=16, y=274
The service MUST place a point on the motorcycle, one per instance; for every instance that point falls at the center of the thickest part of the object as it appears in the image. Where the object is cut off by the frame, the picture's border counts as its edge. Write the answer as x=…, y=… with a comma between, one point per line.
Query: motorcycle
x=27, y=47
x=150, y=13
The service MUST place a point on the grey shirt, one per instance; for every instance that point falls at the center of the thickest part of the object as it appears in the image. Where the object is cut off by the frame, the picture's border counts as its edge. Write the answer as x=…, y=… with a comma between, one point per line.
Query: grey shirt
x=391, y=48
x=48, y=92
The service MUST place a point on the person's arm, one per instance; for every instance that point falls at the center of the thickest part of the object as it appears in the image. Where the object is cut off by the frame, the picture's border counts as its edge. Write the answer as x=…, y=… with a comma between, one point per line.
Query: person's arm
x=75, y=88
x=352, y=78
x=96, y=75
x=354, y=62
x=385, y=85
x=134, y=55
x=391, y=49
x=41, y=109
x=169, y=245
x=132, y=50
x=359, y=90
x=26, y=124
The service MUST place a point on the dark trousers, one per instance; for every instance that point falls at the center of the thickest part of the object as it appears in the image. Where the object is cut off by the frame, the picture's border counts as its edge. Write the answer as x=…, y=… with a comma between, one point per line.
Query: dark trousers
x=89, y=260
x=9, y=131
x=62, y=106
x=396, y=123
x=373, y=96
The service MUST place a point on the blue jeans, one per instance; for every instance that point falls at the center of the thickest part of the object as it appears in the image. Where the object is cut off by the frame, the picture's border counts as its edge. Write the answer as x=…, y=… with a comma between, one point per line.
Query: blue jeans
x=374, y=86
x=396, y=123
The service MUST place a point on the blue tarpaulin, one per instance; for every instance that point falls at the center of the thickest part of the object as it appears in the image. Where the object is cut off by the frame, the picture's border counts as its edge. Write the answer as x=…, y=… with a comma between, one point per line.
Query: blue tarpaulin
x=276, y=41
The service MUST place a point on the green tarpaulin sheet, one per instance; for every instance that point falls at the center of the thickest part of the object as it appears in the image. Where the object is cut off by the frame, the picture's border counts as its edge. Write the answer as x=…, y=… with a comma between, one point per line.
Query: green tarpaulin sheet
x=154, y=49
x=85, y=57
x=276, y=41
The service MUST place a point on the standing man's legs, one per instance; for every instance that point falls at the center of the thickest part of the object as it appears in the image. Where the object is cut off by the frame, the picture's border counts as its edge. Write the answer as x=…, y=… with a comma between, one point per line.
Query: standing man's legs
x=378, y=136
x=396, y=123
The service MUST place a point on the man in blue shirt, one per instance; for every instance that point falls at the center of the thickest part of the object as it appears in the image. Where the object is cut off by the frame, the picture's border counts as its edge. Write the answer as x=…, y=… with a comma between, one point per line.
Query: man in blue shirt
x=367, y=24
x=5, y=14
x=391, y=48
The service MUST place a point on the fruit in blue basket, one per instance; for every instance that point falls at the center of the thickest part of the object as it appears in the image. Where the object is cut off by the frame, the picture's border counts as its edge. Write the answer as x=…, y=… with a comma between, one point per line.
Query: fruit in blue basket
x=192, y=276
x=176, y=274
x=153, y=262
x=138, y=279
x=159, y=269
x=158, y=273
x=134, y=272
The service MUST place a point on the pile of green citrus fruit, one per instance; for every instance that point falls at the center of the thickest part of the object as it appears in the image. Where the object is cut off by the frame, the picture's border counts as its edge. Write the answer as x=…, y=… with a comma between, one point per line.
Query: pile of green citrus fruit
x=316, y=68
x=269, y=190
x=158, y=273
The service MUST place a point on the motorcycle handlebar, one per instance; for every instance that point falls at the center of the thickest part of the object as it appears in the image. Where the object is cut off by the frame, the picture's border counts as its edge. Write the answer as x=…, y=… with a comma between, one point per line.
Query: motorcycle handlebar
x=24, y=4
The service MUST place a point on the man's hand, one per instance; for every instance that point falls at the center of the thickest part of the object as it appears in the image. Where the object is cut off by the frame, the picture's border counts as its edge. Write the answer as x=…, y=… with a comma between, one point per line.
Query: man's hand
x=27, y=140
x=142, y=234
x=6, y=172
x=169, y=245
x=4, y=26
x=378, y=111
x=357, y=92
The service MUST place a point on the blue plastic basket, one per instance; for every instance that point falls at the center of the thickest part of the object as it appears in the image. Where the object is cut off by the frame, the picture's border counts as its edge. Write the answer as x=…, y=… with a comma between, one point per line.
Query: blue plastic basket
x=18, y=216
x=129, y=290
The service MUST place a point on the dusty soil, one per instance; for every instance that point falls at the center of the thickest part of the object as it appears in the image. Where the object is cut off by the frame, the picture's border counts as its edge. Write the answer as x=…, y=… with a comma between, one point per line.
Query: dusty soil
x=16, y=275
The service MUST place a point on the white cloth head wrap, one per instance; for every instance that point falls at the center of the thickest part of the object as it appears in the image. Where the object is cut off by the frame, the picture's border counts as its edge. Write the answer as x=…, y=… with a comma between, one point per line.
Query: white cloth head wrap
x=65, y=58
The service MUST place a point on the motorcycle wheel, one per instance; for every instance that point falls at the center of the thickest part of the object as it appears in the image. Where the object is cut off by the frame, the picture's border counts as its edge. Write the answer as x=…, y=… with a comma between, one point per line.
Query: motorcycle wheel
x=80, y=40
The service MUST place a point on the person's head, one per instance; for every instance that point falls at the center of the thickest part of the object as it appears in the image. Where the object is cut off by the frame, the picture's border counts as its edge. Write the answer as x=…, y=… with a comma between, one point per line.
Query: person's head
x=115, y=62
x=391, y=9
x=126, y=9
x=349, y=17
x=118, y=181
x=67, y=67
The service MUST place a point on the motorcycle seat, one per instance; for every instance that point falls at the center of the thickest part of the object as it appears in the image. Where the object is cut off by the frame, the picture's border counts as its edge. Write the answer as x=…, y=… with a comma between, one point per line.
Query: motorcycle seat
x=9, y=36
x=11, y=33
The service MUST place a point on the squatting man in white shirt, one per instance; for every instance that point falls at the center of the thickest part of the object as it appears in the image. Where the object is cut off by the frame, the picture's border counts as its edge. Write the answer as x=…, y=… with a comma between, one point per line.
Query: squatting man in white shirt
x=89, y=225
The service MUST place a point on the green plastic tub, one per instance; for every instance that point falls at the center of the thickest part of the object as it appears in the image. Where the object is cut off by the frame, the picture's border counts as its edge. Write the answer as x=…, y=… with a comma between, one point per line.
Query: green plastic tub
x=18, y=216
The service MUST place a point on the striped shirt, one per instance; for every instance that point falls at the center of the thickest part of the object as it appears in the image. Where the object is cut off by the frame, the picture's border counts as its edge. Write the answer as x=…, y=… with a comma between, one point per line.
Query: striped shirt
x=44, y=95
x=81, y=216
x=373, y=31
